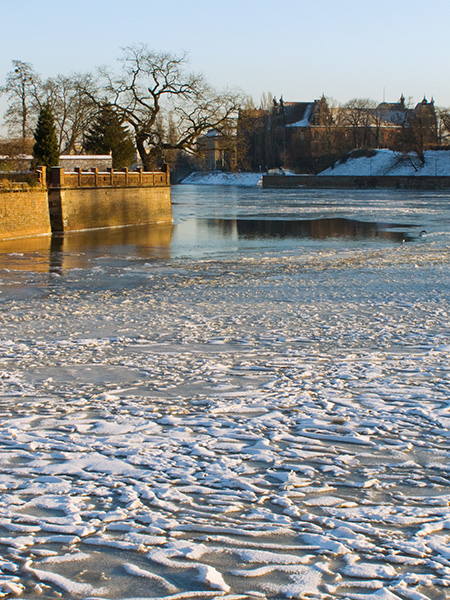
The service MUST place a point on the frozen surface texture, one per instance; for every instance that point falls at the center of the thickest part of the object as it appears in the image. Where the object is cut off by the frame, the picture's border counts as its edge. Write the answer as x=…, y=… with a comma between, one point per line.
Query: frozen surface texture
x=271, y=422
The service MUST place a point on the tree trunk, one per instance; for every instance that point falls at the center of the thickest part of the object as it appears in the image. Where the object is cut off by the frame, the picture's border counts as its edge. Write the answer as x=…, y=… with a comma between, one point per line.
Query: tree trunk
x=142, y=152
x=150, y=157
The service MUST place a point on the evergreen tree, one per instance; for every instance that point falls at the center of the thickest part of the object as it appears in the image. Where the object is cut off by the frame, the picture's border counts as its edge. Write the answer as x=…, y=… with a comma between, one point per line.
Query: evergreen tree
x=108, y=134
x=46, y=149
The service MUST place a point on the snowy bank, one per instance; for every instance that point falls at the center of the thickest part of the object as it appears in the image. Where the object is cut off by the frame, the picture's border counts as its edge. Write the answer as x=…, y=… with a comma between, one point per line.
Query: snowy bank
x=220, y=178
x=387, y=162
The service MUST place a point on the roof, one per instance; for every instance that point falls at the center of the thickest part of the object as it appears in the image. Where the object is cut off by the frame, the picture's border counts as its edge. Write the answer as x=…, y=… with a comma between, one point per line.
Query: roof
x=298, y=114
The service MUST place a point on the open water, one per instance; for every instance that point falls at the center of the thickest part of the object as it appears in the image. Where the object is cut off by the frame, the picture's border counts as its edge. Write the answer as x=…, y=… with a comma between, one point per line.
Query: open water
x=251, y=403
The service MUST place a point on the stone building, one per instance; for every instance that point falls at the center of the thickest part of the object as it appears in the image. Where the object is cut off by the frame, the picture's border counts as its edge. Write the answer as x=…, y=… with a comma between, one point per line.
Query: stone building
x=218, y=150
x=310, y=136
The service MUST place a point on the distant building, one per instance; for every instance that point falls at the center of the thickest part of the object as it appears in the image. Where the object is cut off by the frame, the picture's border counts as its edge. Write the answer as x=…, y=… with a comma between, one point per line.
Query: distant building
x=20, y=162
x=268, y=139
x=310, y=136
x=218, y=150
x=23, y=162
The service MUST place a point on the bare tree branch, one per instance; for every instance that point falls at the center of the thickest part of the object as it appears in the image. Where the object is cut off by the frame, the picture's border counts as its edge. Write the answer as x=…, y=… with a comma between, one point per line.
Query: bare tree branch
x=156, y=95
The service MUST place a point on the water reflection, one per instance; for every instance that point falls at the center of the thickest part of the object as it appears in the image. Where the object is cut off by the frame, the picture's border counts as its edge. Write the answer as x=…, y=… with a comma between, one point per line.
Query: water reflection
x=25, y=254
x=193, y=237
x=319, y=229
x=73, y=250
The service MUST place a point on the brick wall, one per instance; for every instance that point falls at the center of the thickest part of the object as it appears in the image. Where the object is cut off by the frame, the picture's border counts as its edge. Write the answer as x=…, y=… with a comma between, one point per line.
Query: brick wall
x=14, y=179
x=77, y=209
x=82, y=200
x=23, y=213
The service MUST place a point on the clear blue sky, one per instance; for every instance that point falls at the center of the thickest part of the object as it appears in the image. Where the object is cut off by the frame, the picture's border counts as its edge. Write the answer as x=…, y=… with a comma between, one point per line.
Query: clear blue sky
x=295, y=48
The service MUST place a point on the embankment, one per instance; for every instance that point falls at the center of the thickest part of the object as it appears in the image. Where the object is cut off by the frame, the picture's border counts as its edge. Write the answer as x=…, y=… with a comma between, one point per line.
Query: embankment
x=356, y=182
x=84, y=200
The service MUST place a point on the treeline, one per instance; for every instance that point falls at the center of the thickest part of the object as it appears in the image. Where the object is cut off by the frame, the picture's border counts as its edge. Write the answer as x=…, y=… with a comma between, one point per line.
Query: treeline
x=153, y=107
x=152, y=104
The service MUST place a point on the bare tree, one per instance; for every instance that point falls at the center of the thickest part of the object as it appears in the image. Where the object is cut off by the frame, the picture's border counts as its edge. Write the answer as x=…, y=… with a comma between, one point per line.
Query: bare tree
x=324, y=131
x=443, y=115
x=420, y=131
x=22, y=85
x=73, y=107
x=358, y=116
x=69, y=97
x=266, y=102
x=168, y=108
x=252, y=124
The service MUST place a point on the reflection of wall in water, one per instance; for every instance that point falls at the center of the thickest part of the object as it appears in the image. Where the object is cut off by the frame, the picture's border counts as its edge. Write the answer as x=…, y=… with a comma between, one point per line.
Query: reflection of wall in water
x=146, y=241
x=75, y=250
x=26, y=254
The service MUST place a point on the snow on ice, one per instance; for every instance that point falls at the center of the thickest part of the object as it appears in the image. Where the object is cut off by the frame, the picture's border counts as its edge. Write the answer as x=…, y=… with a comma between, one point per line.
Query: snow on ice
x=272, y=426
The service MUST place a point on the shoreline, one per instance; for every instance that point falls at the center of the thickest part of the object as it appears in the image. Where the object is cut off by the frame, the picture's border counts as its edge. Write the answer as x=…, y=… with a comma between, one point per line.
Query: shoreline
x=407, y=182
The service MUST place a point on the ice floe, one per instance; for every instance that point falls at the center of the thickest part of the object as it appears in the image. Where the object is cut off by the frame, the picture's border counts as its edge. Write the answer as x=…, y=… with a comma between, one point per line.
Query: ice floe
x=265, y=425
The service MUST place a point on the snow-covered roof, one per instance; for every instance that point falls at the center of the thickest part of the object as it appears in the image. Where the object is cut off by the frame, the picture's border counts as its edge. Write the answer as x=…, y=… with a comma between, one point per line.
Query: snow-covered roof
x=212, y=133
x=305, y=121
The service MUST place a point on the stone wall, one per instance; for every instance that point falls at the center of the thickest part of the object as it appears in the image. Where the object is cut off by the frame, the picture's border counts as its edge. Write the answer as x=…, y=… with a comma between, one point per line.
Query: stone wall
x=84, y=161
x=92, y=200
x=92, y=208
x=24, y=213
x=81, y=200
x=356, y=182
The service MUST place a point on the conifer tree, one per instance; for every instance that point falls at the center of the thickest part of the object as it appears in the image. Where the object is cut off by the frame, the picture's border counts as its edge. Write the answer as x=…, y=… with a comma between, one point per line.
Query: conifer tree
x=108, y=134
x=46, y=149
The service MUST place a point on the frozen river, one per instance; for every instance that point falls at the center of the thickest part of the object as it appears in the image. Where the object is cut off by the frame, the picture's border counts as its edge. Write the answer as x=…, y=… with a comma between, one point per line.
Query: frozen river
x=253, y=403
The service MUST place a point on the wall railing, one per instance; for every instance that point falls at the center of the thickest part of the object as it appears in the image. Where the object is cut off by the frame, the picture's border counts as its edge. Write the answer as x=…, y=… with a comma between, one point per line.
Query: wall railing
x=21, y=179
x=57, y=177
x=110, y=178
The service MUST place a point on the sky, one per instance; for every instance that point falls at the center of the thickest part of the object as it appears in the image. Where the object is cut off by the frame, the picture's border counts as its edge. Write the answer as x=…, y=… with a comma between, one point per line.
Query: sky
x=297, y=49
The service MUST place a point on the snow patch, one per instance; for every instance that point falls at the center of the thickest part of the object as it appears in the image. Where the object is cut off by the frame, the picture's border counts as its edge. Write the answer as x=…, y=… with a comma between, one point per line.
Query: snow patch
x=223, y=178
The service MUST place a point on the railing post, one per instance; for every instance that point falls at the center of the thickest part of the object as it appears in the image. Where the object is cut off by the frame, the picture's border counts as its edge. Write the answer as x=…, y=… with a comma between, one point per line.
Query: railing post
x=166, y=169
x=126, y=176
x=140, y=171
x=111, y=176
x=42, y=175
x=78, y=171
x=95, y=171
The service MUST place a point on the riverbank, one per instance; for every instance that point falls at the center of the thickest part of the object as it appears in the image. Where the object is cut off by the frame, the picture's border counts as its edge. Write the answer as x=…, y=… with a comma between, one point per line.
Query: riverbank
x=407, y=182
x=223, y=178
x=378, y=168
x=386, y=163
